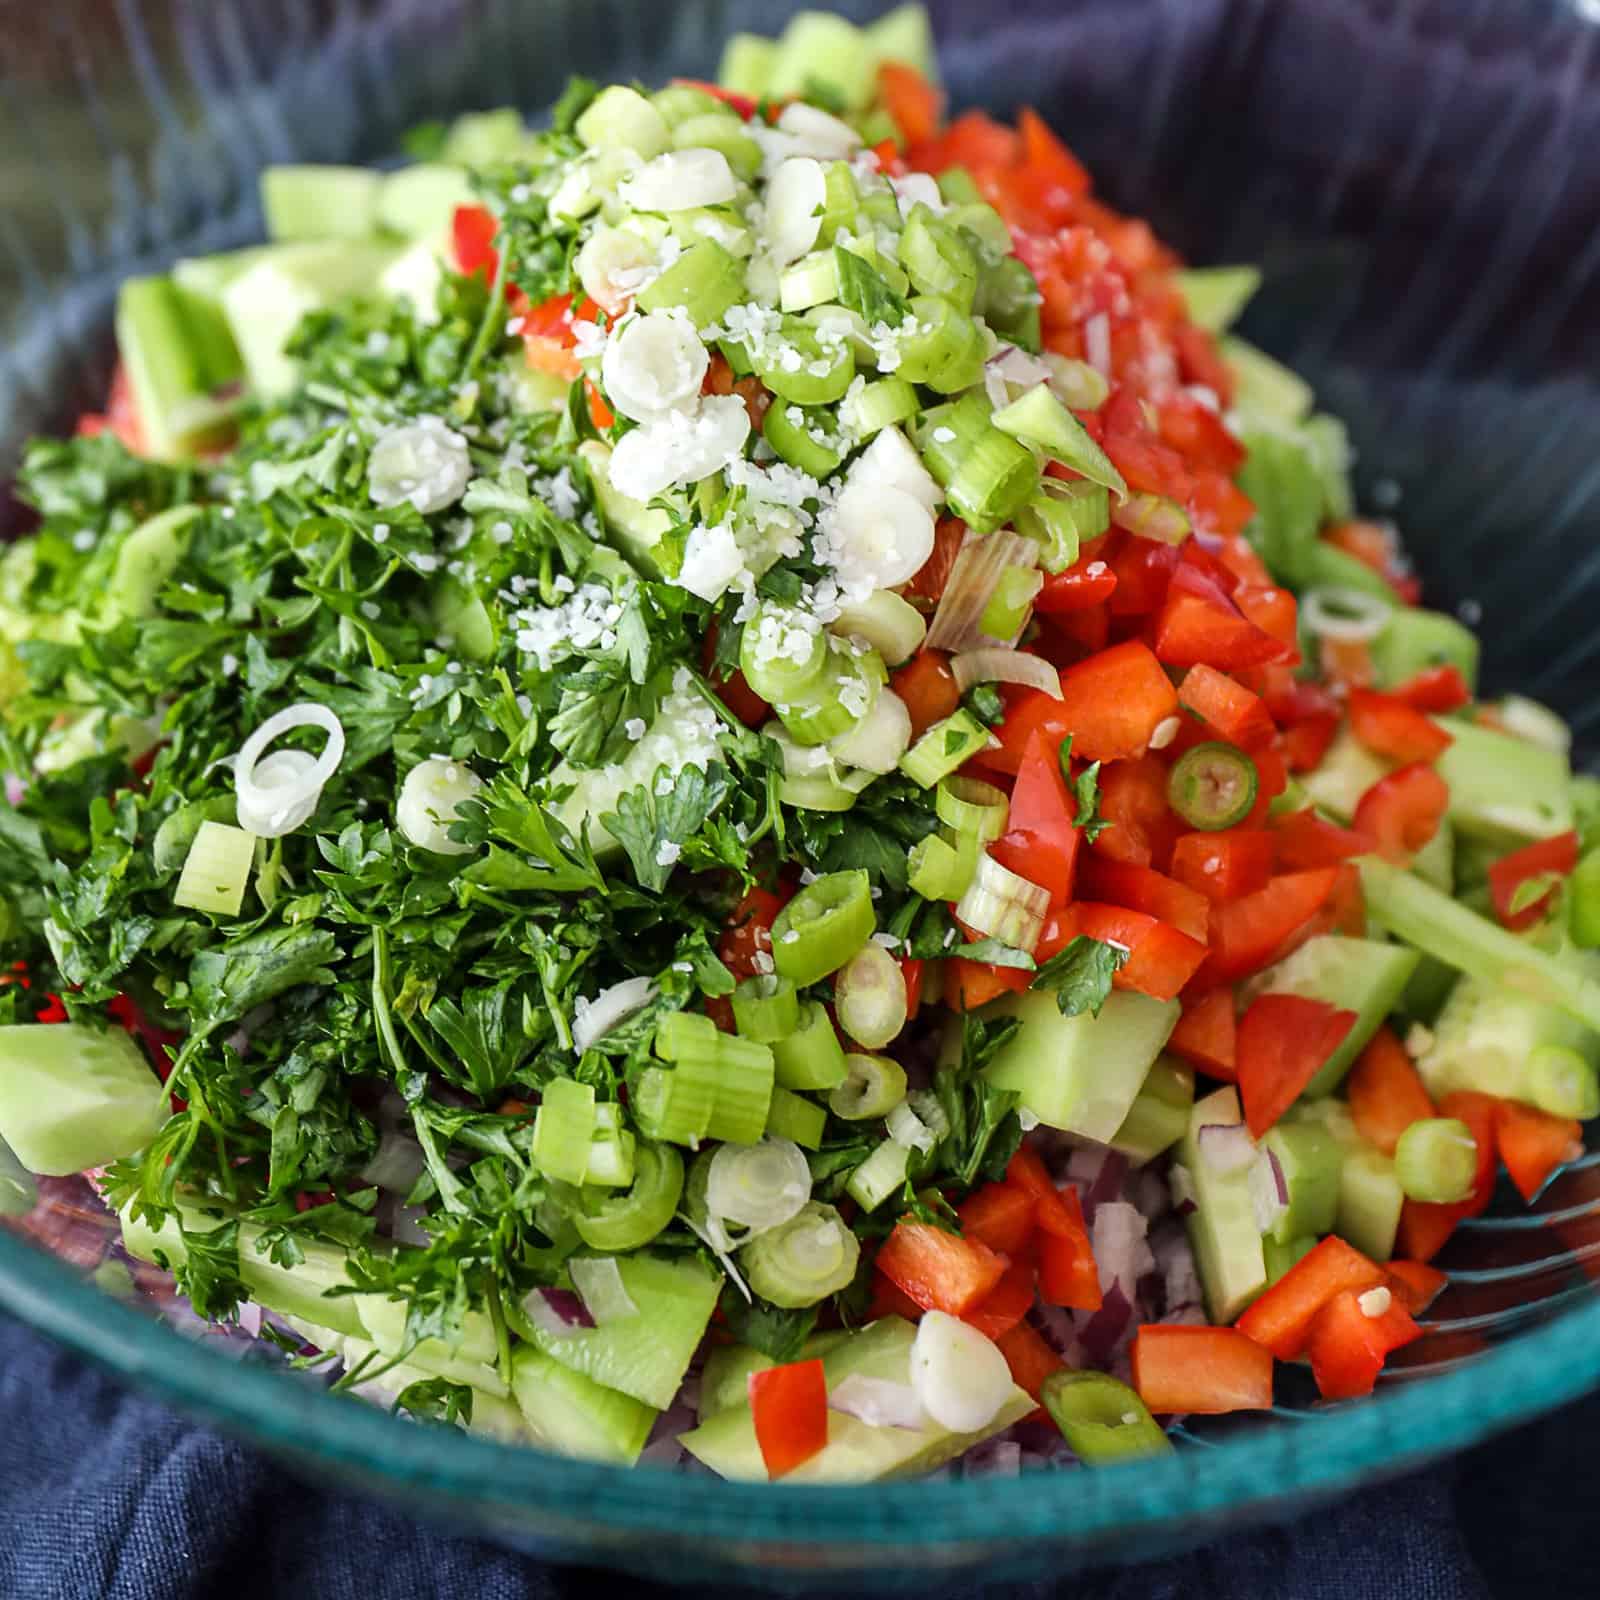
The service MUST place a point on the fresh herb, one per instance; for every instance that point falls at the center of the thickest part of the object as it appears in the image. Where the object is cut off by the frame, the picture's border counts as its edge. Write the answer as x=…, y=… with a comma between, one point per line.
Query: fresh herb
x=1080, y=975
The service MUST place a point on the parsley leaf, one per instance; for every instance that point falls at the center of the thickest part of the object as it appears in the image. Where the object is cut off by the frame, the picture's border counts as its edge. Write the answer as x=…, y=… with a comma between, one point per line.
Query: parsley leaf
x=1080, y=975
x=768, y=1328
x=227, y=981
x=984, y=702
x=656, y=829
x=862, y=289
x=997, y=954
x=1086, y=789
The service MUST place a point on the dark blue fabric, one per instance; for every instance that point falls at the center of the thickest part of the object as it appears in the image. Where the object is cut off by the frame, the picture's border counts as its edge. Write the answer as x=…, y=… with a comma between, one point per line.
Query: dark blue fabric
x=107, y=1496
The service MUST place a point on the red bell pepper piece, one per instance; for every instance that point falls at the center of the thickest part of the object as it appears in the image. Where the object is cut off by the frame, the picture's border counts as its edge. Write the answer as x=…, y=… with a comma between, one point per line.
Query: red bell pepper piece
x=1229, y=708
x=890, y=1300
x=1200, y=624
x=1006, y=1304
x=1068, y=1275
x=1250, y=933
x=1142, y=825
x=970, y=984
x=1052, y=1211
x=1351, y=1337
x=1435, y=689
x=1200, y=362
x=1043, y=151
x=472, y=235
x=1040, y=842
x=911, y=976
x=1199, y=435
x=1280, y=1319
x=1079, y=588
x=789, y=1407
x=1225, y=865
x=1402, y=811
x=1390, y=728
x=1029, y=1356
x=1184, y=1368
x=1160, y=960
x=1143, y=569
x=1274, y=611
x=1284, y=1039
x=1374, y=545
x=914, y=104
x=1386, y=1093
x=1417, y=1284
x=999, y=1215
x=1142, y=889
x=1546, y=858
x=1306, y=742
x=939, y=1270
x=1207, y=1034
x=1302, y=840
x=1532, y=1144
x=929, y=689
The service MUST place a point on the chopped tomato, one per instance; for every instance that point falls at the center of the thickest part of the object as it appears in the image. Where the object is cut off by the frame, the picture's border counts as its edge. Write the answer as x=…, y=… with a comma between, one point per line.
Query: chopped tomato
x=999, y=1215
x=1160, y=960
x=1532, y=1144
x=1141, y=889
x=929, y=689
x=939, y=1271
x=1284, y=1040
x=1199, y=361
x=1142, y=826
x=1040, y=842
x=1006, y=1304
x=1516, y=880
x=1149, y=466
x=1402, y=811
x=1390, y=728
x=1207, y=1034
x=789, y=1408
x=1216, y=504
x=1183, y=1368
x=1224, y=865
x=1043, y=150
x=1436, y=689
x=472, y=235
x=915, y=105
x=1385, y=1092
x=720, y=1009
x=1029, y=1356
x=1350, y=1338
x=1079, y=588
x=1233, y=712
x=970, y=984
x=748, y=933
x=1280, y=1319
x=1068, y=1275
x=1419, y=1284
x=1250, y=933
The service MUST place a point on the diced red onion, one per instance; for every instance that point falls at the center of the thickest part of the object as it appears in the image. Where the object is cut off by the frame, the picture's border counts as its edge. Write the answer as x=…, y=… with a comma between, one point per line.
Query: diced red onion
x=599, y=1284
x=16, y=789
x=1097, y=343
x=1005, y=666
x=1056, y=1325
x=1227, y=1146
x=396, y=1165
x=1106, y=1184
x=249, y=1316
x=557, y=1312
x=1101, y=1334
x=1269, y=1193
x=878, y=1402
x=994, y=1458
x=1120, y=1248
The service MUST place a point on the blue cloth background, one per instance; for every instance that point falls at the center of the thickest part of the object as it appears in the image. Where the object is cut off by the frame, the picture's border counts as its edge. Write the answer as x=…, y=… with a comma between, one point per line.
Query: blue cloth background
x=107, y=1496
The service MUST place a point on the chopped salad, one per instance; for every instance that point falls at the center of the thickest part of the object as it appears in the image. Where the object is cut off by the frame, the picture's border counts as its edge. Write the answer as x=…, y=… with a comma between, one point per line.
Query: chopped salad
x=723, y=783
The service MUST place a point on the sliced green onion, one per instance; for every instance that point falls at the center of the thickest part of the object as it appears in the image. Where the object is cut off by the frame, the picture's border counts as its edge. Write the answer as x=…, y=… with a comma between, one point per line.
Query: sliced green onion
x=946, y=351
x=613, y=261
x=869, y=997
x=279, y=793
x=631, y=1219
x=839, y=700
x=879, y=739
x=959, y=188
x=676, y=1106
x=1563, y=1082
x=938, y=870
x=1008, y=300
x=563, y=1128
x=430, y=799
x=1062, y=516
x=906, y=1127
x=1213, y=786
x=866, y=410
x=1101, y=1419
x=890, y=624
x=810, y=1257
x=792, y=1116
x=1152, y=516
x=759, y=1185
x=944, y=747
x=216, y=870
x=812, y=1056
x=881, y=1175
x=744, y=1092
x=1436, y=1160
x=873, y=1087
x=823, y=926
x=950, y=430
x=704, y=281
x=812, y=778
x=979, y=565
x=1001, y=905
x=1008, y=607
x=1039, y=418
x=937, y=259
x=970, y=806
x=995, y=479
x=1081, y=386
x=611, y=1150
x=1001, y=664
x=783, y=654
x=766, y=1008
x=720, y=1086
x=812, y=281
x=803, y=437
x=799, y=366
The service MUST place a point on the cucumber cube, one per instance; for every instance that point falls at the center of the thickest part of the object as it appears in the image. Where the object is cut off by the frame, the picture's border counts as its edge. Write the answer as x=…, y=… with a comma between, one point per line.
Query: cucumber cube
x=314, y=202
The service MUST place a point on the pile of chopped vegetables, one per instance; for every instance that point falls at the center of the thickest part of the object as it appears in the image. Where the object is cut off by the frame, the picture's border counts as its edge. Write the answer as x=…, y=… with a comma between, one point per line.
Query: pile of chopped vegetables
x=757, y=799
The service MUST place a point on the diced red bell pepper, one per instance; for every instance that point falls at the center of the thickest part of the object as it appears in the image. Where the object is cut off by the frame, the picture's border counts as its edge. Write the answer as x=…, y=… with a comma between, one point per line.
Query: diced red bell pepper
x=1274, y=611
x=1306, y=742
x=1207, y=1034
x=1180, y=1367
x=748, y=934
x=914, y=104
x=1142, y=826
x=1045, y=154
x=1352, y=1335
x=1199, y=435
x=929, y=689
x=1374, y=545
x=1216, y=504
x=970, y=984
x=1030, y=1357
x=1280, y=1319
x=890, y=1300
x=1386, y=1092
x=1200, y=362
x=1284, y=1039
x=1390, y=728
x=940, y=1271
x=1111, y=704
x=1250, y=933
x=1052, y=1211
x=911, y=976
x=999, y=1215
x=1227, y=707
x=1435, y=689
x=972, y=140
x=1136, y=449
x=1425, y=1228
x=1079, y=588
x=1544, y=859
x=1068, y=1275
x=1200, y=624
x=1143, y=569
x=1302, y=840
x=548, y=343
x=1419, y=1284
x=1040, y=842
x=1160, y=960
x=1224, y=865
x=1006, y=1304
x=789, y=1407
x=472, y=236
x=1142, y=889
x=1402, y=811
x=1532, y=1144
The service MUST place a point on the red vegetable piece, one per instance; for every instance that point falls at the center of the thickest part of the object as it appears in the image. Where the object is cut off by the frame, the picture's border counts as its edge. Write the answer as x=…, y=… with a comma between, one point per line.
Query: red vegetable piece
x=1385, y=1092
x=1224, y=865
x=1544, y=859
x=1207, y=1034
x=1183, y=1368
x=939, y=1270
x=1280, y=1318
x=1402, y=811
x=1284, y=1039
x=1352, y=1335
x=789, y=1406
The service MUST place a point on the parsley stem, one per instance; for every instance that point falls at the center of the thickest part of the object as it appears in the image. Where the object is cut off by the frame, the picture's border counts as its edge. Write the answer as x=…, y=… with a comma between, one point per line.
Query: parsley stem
x=424, y=1044
x=382, y=1012
x=493, y=315
x=502, y=1339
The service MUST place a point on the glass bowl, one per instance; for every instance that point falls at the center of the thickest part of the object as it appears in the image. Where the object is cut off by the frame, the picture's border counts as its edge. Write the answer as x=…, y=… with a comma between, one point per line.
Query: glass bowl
x=1419, y=180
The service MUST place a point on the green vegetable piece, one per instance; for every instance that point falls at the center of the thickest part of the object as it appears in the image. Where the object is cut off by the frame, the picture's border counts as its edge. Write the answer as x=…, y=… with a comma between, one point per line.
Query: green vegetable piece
x=182, y=364
x=823, y=926
x=792, y=1116
x=1436, y=1160
x=880, y=1176
x=1504, y=789
x=1264, y=387
x=1101, y=1418
x=419, y=202
x=611, y=1221
x=1039, y=418
x=811, y=1057
x=804, y=1260
x=946, y=746
x=1310, y=1160
x=320, y=202
x=146, y=560
x=1222, y=1227
x=873, y=1087
x=572, y=1415
x=705, y=280
x=216, y=871
x=1213, y=786
x=1215, y=297
x=620, y=118
x=1160, y=1112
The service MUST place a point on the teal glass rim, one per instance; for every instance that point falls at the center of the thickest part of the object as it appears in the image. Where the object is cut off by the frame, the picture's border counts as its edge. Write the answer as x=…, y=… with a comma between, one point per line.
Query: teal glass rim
x=1191, y=1493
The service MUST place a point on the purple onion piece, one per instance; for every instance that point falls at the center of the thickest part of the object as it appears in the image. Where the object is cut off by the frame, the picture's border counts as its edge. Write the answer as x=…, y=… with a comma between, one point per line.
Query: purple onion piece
x=1102, y=1332
x=556, y=1311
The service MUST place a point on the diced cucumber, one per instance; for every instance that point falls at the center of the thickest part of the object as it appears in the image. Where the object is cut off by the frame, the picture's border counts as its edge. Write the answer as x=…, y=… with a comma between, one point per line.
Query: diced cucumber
x=182, y=365
x=1081, y=1073
x=74, y=1096
x=485, y=138
x=145, y=561
x=1264, y=387
x=904, y=35
x=645, y=1356
x=1435, y=862
x=494, y=1415
x=19, y=1194
x=1485, y=1036
x=1160, y=1112
x=1370, y=1200
x=573, y=1415
x=1215, y=296
x=818, y=49
x=301, y=1290
x=1414, y=640
x=470, y=1359
x=1326, y=566
x=208, y=276
x=856, y=1452
x=1310, y=1159
x=1282, y=1257
x=747, y=63
x=420, y=201
x=1222, y=1226
x=415, y=275
x=320, y=202
x=725, y=1378
x=1360, y=975
x=1509, y=790
x=1343, y=775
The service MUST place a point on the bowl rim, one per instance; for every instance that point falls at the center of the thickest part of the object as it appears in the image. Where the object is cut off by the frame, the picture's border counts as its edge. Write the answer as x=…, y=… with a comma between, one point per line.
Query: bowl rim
x=1407, y=1424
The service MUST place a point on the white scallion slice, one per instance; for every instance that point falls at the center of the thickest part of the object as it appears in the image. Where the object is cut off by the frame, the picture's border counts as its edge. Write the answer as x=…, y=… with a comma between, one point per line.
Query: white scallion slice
x=679, y=447
x=892, y=460
x=758, y=1186
x=681, y=180
x=979, y=566
x=423, y=463
x=594, y=1019
x=879, y=739
x=822, y=133
x=278, y=794
x=885, y=534
x=430, y=797
x=653, y=364
x=1005, y=666
x=1001, y=905
x=795, y=199
x=960, y=1377
x=891, y=625
x=908, y=1129
x=869, y=995
x=1350, y=616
